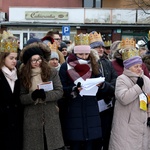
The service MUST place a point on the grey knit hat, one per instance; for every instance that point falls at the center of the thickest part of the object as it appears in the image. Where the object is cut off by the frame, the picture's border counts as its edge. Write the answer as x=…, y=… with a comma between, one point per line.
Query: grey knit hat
x=54, y=55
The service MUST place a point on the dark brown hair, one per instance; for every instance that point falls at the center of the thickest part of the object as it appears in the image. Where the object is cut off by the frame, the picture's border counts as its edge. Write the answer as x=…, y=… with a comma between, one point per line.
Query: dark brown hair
x=25, y=73
x=51, y=33
x=2, y=58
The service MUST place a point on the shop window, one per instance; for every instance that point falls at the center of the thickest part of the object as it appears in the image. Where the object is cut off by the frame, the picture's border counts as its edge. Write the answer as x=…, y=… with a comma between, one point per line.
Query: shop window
x=136, y=34
x=25, y=37
x=92, y=3
x=37, y=35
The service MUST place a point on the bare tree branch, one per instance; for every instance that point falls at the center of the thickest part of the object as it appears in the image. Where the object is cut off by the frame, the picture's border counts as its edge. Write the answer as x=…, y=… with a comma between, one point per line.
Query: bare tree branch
x=146, y=3
x=143, y=5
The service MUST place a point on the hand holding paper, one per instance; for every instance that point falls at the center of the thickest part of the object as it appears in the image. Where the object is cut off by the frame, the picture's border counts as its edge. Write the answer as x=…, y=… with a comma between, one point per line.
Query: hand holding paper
x=89, y=86
x=47, y=86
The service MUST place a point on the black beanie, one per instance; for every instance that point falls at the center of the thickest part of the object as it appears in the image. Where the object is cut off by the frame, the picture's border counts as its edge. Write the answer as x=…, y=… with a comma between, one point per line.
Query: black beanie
x=32, y=40
x=62, y=45
x=30, y=52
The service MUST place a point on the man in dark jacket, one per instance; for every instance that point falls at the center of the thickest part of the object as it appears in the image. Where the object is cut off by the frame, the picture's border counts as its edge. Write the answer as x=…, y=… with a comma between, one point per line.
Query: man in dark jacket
x=107, y=96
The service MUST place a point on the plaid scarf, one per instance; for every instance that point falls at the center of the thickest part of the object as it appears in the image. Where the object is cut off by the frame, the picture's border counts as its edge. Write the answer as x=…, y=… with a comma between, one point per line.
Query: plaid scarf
x=78, y=69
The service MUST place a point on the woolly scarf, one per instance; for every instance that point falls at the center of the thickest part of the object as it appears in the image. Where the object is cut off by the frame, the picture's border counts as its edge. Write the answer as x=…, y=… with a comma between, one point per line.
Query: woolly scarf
x=78, y=69
x=11, y=76
x=131, y=75
x=58, y=67
x=35, y=78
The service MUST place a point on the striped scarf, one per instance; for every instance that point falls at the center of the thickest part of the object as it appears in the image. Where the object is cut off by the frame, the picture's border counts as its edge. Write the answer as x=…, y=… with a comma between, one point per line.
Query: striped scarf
x=78, y=69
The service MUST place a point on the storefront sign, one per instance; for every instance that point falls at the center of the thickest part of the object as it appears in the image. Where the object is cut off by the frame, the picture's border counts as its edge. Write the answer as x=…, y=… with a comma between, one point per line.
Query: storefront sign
x=44, y=15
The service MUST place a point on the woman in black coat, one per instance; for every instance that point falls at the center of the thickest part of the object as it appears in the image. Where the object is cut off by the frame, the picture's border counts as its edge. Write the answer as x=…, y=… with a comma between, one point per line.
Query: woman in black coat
x=10, y=107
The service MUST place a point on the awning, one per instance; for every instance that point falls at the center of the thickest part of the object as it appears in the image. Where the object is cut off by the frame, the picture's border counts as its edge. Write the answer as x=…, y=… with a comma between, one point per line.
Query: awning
x=43, y=24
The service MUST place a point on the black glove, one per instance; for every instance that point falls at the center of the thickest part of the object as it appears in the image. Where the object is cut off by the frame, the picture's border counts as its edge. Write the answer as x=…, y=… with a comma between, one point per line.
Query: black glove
x=76, y=88
x=34, y=94
x=42, y=94
x=148, y=121
x=38, y=94
x=140, y=82
x=107, y=99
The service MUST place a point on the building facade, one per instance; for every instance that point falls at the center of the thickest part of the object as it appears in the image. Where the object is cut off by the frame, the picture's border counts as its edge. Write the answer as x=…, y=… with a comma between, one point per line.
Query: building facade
x=114, y=20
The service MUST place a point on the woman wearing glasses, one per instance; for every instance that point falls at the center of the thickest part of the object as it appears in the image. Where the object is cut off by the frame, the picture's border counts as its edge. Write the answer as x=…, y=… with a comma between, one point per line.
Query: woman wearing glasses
x=42, y=129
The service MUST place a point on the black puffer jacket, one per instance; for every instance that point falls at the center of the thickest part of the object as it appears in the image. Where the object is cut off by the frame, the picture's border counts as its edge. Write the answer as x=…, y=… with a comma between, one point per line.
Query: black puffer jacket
x=110, y=75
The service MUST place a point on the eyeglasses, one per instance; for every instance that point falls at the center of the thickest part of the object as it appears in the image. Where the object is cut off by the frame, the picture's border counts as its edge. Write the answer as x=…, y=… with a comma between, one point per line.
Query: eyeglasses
x=58, y=39
x=34, y=61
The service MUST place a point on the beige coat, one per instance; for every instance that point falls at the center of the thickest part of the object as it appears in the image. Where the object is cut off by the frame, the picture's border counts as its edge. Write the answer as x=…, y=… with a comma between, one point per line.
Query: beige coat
x=129, y=127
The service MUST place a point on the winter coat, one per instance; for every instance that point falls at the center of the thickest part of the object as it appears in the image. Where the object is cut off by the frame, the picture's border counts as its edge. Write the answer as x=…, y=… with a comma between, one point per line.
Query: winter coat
x=83, y=121
x=11, y=115
x=110, y=75
x=43, y=117
x=146, y=60
x=108, y=94
x=129, y=127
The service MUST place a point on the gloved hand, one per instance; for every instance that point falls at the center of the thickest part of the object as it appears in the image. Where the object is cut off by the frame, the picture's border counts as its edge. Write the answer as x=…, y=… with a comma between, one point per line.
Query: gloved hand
x=76, y=88
x=42, y=94
x=38, y=93
x=148, y=121
x=140, y=82
x=107, y=99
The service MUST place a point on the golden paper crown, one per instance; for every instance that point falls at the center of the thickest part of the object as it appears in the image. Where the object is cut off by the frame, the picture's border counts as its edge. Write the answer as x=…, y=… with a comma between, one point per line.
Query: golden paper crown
x=128, y=48
x=107, y=43
x=127, y=43
x=128, y=53
x=53, y=47
x=81, y=39
x=94, y=37
x=149, y=35
x=8, y=43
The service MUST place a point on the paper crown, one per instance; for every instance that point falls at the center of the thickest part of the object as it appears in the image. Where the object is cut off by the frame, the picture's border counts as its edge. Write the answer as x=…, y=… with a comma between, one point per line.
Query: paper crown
x=149, y=35
x=128, y=49
x=94, y=37
x=81, y=39
x=127, y=43
x=107, y=43
x=8, y=42
x=53, y=47
x=128, y=53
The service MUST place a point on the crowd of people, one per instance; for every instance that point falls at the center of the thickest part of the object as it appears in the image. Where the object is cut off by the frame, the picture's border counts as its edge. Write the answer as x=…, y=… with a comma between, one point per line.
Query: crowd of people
x=79, y=95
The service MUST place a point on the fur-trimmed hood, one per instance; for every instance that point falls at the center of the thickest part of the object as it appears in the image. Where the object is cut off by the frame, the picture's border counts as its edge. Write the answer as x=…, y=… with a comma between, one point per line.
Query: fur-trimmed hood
x=43, y=47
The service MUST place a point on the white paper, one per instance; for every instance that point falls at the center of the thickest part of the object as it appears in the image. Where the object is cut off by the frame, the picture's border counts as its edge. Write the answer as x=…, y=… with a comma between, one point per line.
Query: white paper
x=89, y=86
x=103, y=106
x=90, y=83
x=91, y=92
x=47, y=86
